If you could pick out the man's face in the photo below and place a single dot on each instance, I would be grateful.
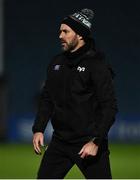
(68, 38)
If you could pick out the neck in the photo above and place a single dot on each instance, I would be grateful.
(79, 52)
(80, 44)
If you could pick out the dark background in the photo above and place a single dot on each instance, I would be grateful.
(31, 40)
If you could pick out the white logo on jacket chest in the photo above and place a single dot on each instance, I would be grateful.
(80, 69)
(57, 67)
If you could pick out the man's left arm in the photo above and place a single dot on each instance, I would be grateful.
(104, 90)
(105, 95)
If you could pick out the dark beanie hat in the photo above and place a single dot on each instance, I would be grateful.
(80, 22)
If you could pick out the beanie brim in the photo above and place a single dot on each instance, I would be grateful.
(77, 27)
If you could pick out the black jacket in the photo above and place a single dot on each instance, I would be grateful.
(78, 97)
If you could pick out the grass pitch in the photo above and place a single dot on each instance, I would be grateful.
(18, 161)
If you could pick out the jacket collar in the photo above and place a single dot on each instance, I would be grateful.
(74, 58)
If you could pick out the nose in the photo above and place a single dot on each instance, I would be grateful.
(60, 35)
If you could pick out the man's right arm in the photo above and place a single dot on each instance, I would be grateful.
(45, 110)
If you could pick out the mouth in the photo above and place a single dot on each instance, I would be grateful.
(63, 42)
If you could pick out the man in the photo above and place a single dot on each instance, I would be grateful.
(78, 97)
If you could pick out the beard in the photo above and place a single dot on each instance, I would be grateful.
(69, 46)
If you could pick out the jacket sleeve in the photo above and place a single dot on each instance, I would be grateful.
(45, 110)
(105, 95)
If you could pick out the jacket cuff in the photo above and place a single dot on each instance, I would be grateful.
(35, 130)
(96, 140)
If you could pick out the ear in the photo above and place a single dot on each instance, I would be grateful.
(80, 37)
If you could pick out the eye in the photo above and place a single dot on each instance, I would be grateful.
(65, 31)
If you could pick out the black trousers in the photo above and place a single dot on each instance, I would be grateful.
(59, 158)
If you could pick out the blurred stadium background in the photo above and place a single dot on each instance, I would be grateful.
(28, 41)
